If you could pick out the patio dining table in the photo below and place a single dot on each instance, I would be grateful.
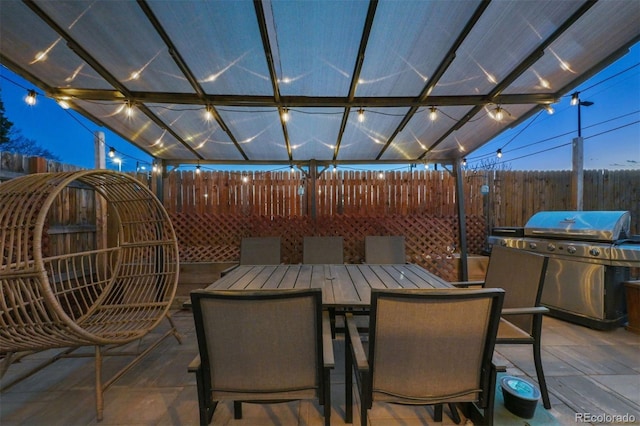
(343, 285)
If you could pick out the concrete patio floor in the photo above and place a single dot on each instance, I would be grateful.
(592, 375)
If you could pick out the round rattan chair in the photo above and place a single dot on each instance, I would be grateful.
(107, 295)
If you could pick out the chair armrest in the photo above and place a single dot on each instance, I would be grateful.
(327, 341)
(229, 269)
(499, 367)
(194, 365)
(527, 310)
(359, 355)
(466, 284)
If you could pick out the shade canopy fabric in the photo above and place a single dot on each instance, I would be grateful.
(327, 63)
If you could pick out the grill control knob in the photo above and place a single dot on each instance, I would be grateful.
(533, 246)
(594, 251)
(571, 249)
(551, 247)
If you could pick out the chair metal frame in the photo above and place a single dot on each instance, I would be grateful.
(511, 332)
(201, 366)
(362, 363)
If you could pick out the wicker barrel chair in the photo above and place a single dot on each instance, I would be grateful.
(102, 296)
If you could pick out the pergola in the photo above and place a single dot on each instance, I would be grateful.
(312, 83)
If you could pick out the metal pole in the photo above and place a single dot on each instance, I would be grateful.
(462, 228)
(579, 121)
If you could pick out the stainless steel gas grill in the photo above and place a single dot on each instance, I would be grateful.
(590, 256)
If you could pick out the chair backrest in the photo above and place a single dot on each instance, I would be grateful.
(384, 249)
(260, 251)
(260, 345)
(319, 250)
(521, 274)
(433, 345)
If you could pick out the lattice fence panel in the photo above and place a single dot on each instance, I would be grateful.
(430, 240)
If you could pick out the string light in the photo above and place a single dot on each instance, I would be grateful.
(112, 152)
(285, 114)
(335, 168)
(128, 108)
(208, 114)
(549, 109)
(464, 162)
(198, 169)
(291, 168)
(498, 114)
(361, 115)
(433, 113)
(30, 99)
(575, 98)
(154, 167)
(499, 153)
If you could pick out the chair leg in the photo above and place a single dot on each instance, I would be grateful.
(206, 407)
(437, 413)
(237, 410)
(537, 360)
(348, 379)
(327, 397)
(454, 413)
(332, 319)
(365, 399)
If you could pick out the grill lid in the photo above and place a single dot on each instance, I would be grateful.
(607, 226)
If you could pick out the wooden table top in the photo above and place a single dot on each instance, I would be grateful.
(343, 286)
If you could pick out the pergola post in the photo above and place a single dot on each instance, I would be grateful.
(462, 227)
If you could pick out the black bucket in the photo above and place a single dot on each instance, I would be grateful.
(520, 396)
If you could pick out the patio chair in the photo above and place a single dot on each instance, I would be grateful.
(426, 347)
(263, 346)
(257, 251)
(384, 249)
(521, 274)
(322, 250)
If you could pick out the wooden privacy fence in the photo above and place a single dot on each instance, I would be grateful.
(288, 194)
(512, 197)
(213, 210)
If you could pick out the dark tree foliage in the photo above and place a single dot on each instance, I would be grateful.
(5, 125)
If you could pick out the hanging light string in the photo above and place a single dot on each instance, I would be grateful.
(522, 130)
(36, 93)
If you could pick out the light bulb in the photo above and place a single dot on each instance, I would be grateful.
(198, 169)
(112, 152)
(575, 99)
(63, 104)
(549, 109)
(208, 114)
(30, 99)
(433, 113)
(361, 115)
(499, 153)
(285, 114)
(498, 115)
(128, 109)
